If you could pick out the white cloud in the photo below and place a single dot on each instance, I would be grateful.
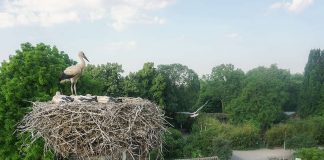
(6, 20)
(121, 46)
(293, 6)
(233, 35)
(119, 13)
(46, 12)
(134, 11)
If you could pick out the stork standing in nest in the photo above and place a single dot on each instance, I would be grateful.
(74, 72)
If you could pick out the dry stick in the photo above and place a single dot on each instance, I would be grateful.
(93, 129)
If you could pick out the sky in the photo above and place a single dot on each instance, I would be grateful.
(200, 34)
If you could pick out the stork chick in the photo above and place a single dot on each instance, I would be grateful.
(74, 72)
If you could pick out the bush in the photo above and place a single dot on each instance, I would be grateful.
(205, 122)
(173, 144)
(205, 144)
(209, 138)
(297, 134)
(317, 128)
(244, 137)
(276, 135)
(310, 154)
(300, 141)
(221, 148)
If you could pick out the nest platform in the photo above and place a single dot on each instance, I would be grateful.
(90, 129)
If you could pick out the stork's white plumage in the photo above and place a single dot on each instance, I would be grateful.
(74, 72)
(194, 114)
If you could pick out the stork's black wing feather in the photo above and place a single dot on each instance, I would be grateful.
(65, 76)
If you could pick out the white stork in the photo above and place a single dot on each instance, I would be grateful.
(74, 72)
(194, 114)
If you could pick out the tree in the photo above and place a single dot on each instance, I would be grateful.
(220, 87)
(181, 89)
(104, 79)
(130, 86)
(294, 90)
(313, 85)
(262, 99)
(146, 83)
(157, 89)
(144, 80)
(30, 75)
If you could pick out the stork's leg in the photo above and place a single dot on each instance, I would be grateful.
(72, 88)
(75, 89)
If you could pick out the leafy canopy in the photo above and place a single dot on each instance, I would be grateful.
(29, 75)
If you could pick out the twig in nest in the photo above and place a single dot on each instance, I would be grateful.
(95, 130)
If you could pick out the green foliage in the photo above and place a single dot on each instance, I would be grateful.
(157, 89)
(143, 80)
(312, 127)
(221, 148)
(294, 88)
(146, 83)
(242, 137)
(87, 85)
(154, 154)
(181, 89)
(35, 150)
(310, 154)
(220, 87)
(297, 133)
(207, 139)
(317, 128)
(301, 140)
(31, 74)
(204, 123)
(245, 137)
(313, 85)
(130, 86)
(173, 145)
(104, 79)
(276, 135)
(206, 144)
(262, 99)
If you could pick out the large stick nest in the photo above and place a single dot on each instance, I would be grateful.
(92, 129)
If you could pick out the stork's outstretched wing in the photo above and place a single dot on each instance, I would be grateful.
(201, 107)
(185, 113)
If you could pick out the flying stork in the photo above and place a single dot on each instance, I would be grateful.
(74, 72)
(194, 114)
